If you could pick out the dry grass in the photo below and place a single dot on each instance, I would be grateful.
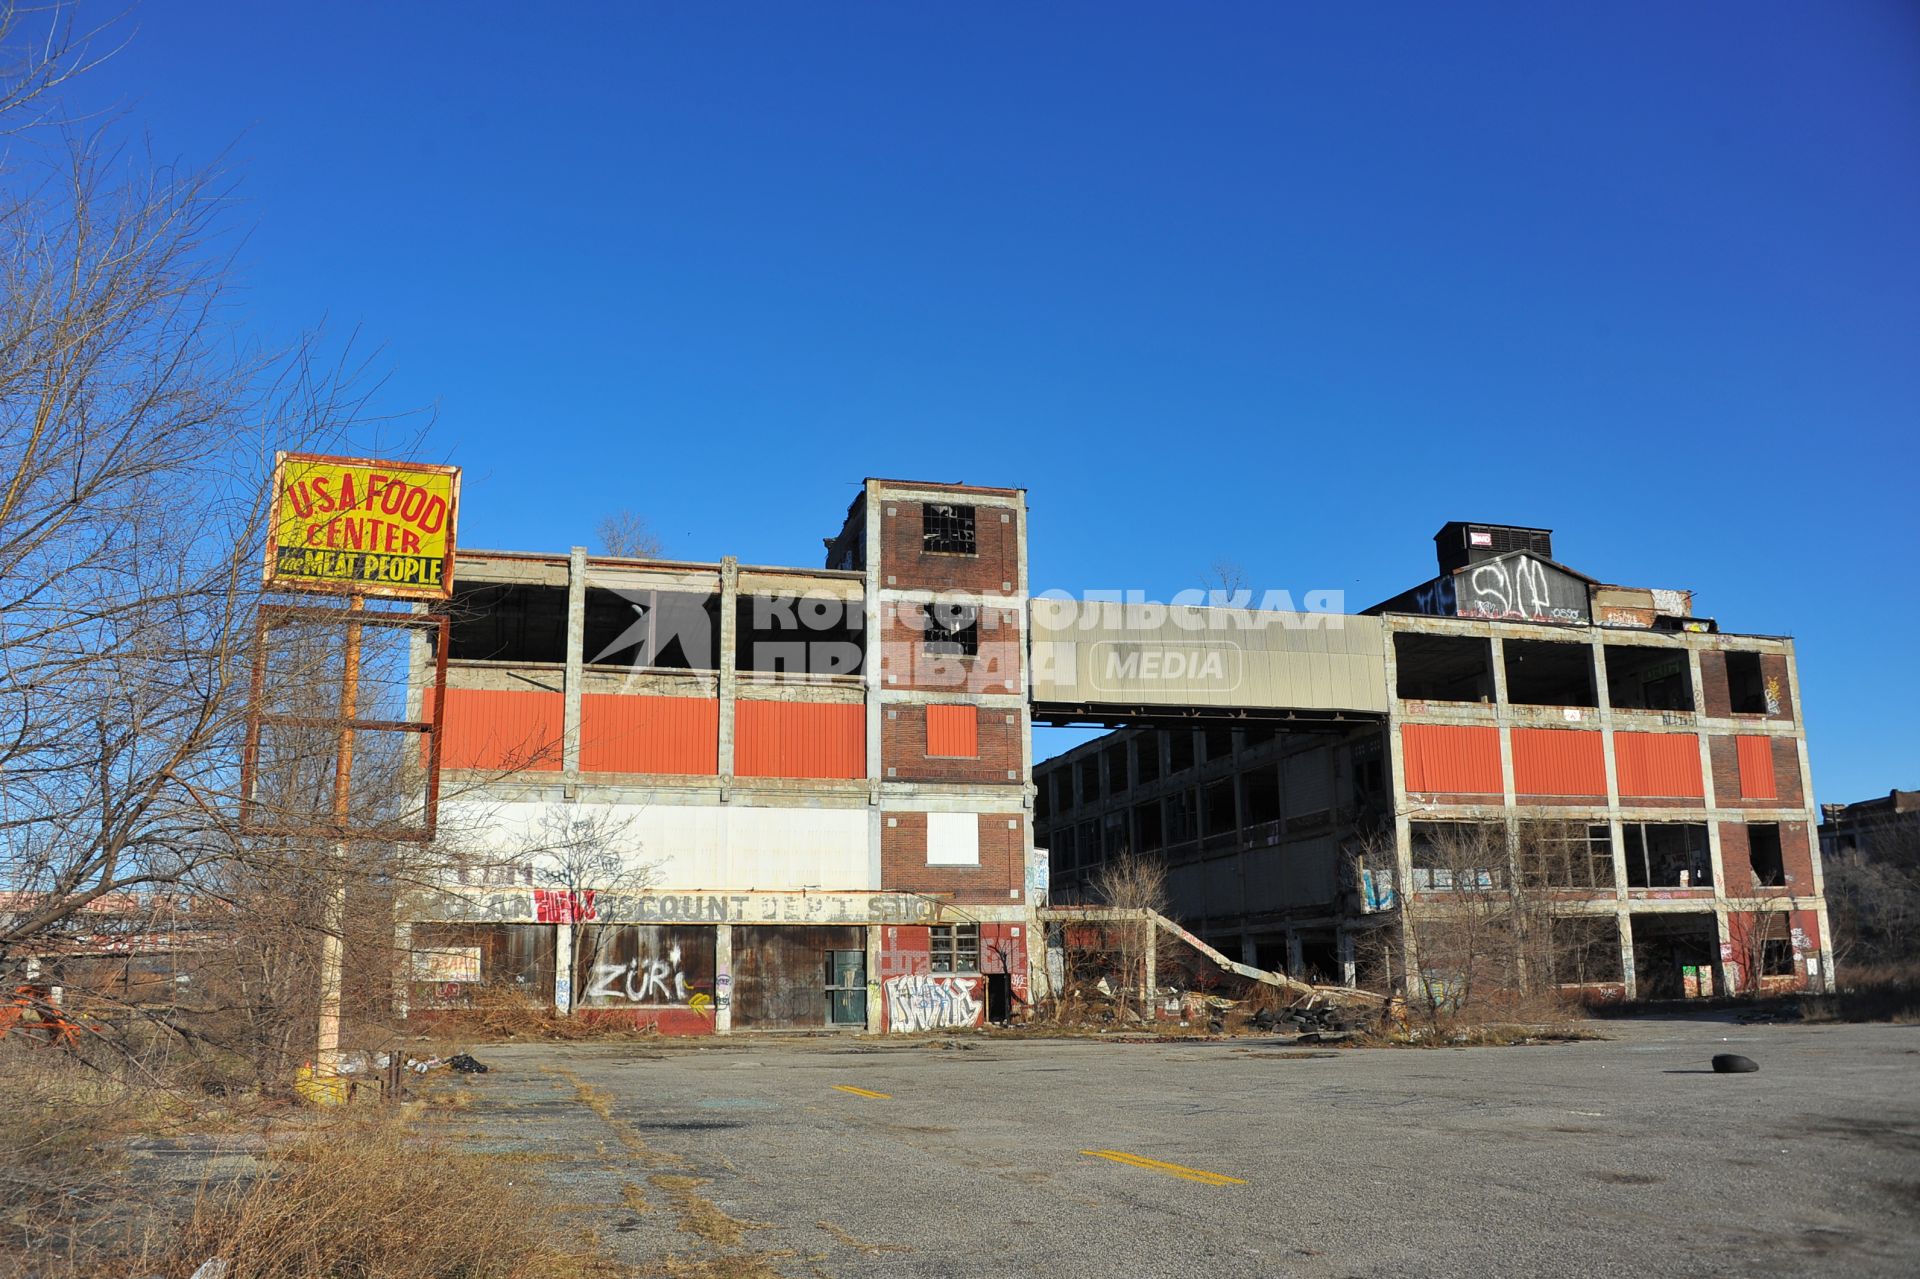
(1882, 992)
(504, 1013)
(370, 1198)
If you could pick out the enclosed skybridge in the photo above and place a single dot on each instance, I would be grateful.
(1105, 663)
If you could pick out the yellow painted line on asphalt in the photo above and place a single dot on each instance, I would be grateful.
(863, 1092)
(1171, 1170)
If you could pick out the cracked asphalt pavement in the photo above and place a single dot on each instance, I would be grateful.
(848, 1158)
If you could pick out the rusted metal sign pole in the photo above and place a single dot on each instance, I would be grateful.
(333, 939)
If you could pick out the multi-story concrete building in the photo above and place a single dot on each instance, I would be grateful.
(1886, 828)
(716, 796)
(1639, 772)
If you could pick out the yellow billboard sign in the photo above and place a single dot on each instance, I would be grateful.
(362, 527)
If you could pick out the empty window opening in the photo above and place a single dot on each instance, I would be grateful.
(1218, 743)
(1584, 949)
(1181, 818)
(1063, 850)
(1113, 835)
(1261, 791)
(1320, 961)
(1549, 673)
(955, 948)
(1443, 668)
(1256, 736)
(1087, 836)
(1668, 855)
(1087, 773)
(652, 629)
(1458, 856)
(953, 630)
(1114, 760)
(1640, 678)
(1566, 855)
(1746, 687)
(1179, 750)
(947, 529)
(1674, 955)
(1146, 757)
(1369, 775)
(806, 635)
(1772, 943)
(1152, 832)
(1043, 797)
(508, 623)
(1763, 852)
(1221, 818)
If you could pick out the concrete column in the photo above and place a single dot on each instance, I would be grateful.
(876, 1013)
(563, 967)
(723, 979)
(1625, 922)
(576, 666)
(402, 965)
(729, 673)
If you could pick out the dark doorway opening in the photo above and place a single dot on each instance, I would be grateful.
(999, 997)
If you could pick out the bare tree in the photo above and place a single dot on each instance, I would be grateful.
(1134, 881)
(627, 535)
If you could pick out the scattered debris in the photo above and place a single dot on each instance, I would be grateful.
(466, 1065)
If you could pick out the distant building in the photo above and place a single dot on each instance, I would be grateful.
(1884, 828)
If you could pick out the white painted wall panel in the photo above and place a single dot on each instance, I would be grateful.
(673, 847)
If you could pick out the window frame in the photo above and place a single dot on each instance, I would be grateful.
(957, 534)
(949, 944)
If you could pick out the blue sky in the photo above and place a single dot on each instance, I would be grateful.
(1278, 284)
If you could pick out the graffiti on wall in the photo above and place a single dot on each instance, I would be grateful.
(562, 906)
(920, 1002)
(1521, 587)
(641, 980)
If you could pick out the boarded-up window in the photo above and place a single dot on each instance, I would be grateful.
(953, 731)
(1756, 768)
(644, 966)
(1556, 761)
(799, 739)
(1449, 759)
(953, 839)
(502, 730)
(626, 733)
(1658, 764)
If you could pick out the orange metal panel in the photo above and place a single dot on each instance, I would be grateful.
(1451, 759)
(500, 729)
(799, 739)
(632, 733)
(953, 731)
(1756, 768)
(1558, 761)
(1658, 764)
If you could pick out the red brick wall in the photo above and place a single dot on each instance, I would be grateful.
(994, 567)
(1774, 677)
(1796, 858)
(998, 878)
(904, 664)
(1715, 698)
(903, 748)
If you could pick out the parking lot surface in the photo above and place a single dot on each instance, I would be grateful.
(984, 1157)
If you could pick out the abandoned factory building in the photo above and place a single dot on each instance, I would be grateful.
(1634, 771)
(727, 796)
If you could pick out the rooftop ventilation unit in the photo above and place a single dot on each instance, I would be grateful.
(1459, 544)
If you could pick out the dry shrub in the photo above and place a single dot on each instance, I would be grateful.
(372, 1199)
(507, 1012)
(1869, 992)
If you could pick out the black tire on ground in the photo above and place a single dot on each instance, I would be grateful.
(1734, 1064)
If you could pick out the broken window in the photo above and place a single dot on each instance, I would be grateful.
(1668, 855)
(1443, 668)
(1146, 757)
(1114, 835)
(1220, 808)
(1566, 855)
(1261, 788)
(947, 529)
(1146, 818)
(1042, 797)
(1642, 678)
(1763, 852)
(508, 622)
(954, 948)
(1458, 856)
(1088, 773)
(645, 628)
(1115, 761)
(799, 635)
(1585, 949)
(1549, 673)
(1179, 750)
(953, 630)
(1746, 687)
(1181, 815)
(1775, 944)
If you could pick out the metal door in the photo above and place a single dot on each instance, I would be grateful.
(846, 987)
